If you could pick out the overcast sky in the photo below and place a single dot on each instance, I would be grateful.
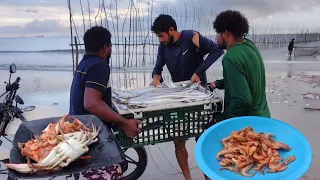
(51, 17)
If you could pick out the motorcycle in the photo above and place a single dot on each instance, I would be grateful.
(11, 116)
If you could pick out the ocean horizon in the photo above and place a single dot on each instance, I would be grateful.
(55, 53)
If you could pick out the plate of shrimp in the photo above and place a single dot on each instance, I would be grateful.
(251, 147)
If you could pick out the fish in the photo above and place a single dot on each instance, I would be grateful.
(154, 96)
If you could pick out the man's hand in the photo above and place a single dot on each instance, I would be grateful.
(213, 85)
(130, 127)
(195, 78)
(156, 80)
(195, 39)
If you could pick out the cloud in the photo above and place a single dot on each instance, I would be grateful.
(200, 14)
(56, 13)
(46, 26)
(28, 10)
(52, 16)
(251, 7)
(32, 3)
(35, 27)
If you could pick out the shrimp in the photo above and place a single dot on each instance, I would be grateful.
(252, 150)
(230, 169)
(257, 156)
(226, 162)
(230, 156)
(280, 169)
(282, 146)
(245, 150)
(259, 167)
(223, 152)
(289, 159)
(245, 170)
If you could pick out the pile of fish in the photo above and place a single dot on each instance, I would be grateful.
(164, 94)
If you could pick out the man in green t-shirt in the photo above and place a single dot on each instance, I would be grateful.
(244, 79)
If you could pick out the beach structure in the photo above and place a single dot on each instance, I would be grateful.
(134, 45)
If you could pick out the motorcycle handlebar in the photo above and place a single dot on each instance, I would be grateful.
(17, 80)
(13, 89)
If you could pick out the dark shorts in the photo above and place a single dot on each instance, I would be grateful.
(113, 172)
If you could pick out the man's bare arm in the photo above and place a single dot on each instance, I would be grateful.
(95, 105)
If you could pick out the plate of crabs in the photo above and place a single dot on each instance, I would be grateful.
(62, 146)
(251, 147)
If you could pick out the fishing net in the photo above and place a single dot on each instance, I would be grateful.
(306, 51)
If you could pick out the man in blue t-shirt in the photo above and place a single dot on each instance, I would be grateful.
(91, 92)
(183, 54)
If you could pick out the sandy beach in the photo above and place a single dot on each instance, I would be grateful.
(286, 81)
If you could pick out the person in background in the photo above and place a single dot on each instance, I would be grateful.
(182, 52)
(244, 79)
(91, 93)
(290, 47)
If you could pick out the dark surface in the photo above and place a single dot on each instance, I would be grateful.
(104, 152)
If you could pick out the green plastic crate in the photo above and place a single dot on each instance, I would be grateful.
(170, 124)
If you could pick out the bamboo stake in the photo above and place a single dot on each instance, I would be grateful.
(77, 51)
(70, 18)
(140, 48)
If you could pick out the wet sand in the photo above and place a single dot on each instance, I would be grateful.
(286, 81)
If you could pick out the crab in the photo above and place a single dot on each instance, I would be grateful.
(59, 145)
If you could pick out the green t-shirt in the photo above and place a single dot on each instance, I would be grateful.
(244, 82)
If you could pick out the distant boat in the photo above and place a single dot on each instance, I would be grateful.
(39, 36)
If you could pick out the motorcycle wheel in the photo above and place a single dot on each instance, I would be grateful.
(141, 164)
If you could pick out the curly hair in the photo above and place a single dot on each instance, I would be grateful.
(163, 23)
(231, 21)
(95, 38)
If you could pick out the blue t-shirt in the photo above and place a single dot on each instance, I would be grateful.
(92, 72)
(183, 58)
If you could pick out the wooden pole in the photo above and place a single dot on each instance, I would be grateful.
(125, 52)
(77, 52)
(70, 18)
